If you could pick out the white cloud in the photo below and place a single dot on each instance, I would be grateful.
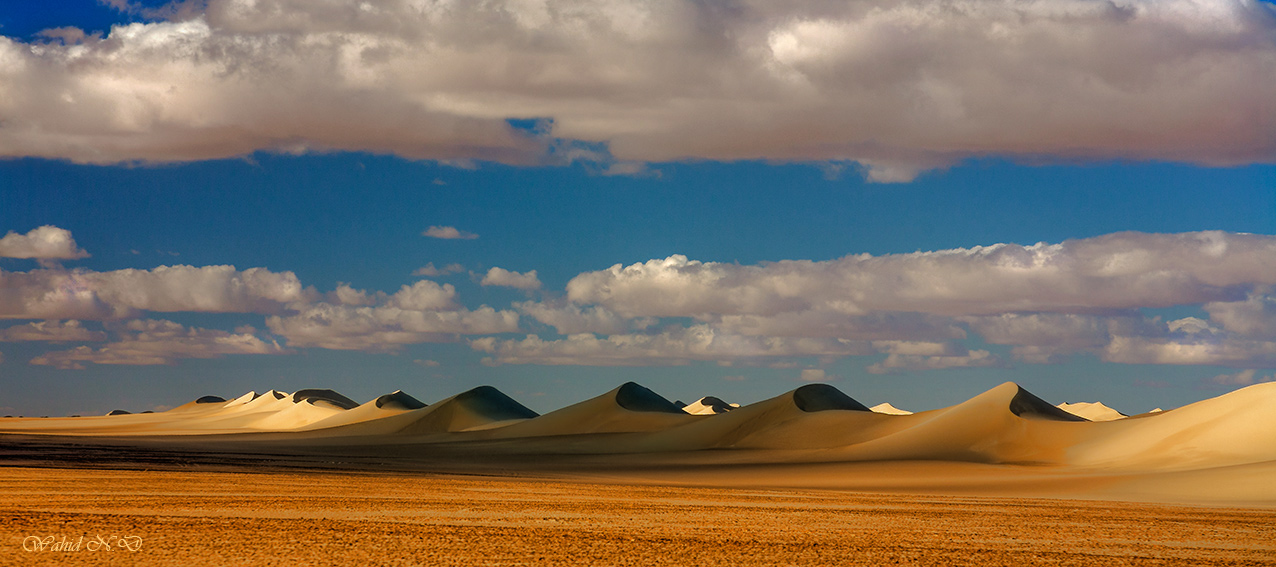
(673, 346)
(1255, 317)
(1208, 348)
(85, 294)
(571, 319)
(448, 233)
(504, 278)
(831, 323)
(44, 243)
(346, 295)
(897, 363)
(1068, 330)
(1046, 301)
(429, 270)
(1114, 272)
(152, 342)
(898, 86)
(51, 331)
(420, 313)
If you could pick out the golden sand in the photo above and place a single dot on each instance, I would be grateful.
(329, 518)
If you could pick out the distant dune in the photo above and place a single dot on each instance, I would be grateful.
(708, 405)
(887, 408)
(1093, 411)
(631, 426)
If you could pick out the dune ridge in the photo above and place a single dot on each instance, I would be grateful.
(631, 425)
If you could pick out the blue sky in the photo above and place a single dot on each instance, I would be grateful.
(316, 200)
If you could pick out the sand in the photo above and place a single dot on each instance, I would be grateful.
(1006, 441)
(190, 518)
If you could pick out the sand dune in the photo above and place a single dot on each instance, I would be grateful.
(1232, 429)
(475, 409)
(708, 405)
(631, 426)
(1093, 411)
(628, 408)
(887, 408)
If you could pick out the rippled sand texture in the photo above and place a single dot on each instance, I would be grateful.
(214, 518)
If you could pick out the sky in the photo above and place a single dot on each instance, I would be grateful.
(913, 201)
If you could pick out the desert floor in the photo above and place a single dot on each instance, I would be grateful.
(340, 518)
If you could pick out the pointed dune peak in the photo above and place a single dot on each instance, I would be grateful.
(493, 404)
(276, 394)
(210, 400)
(399, 400)
(822, 397)
(313, 395)
(634, 397)
(248, 397)
(476, 408)
(1028, 406)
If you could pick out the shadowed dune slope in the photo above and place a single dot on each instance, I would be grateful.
(477, 408)
(385, 406)
(629, 408)
(815, 416)
(398, 400)
(822, 397)
(323, 395)
(1028, 406)
(708, 405)
(1006, 424)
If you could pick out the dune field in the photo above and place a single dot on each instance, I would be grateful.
(1005, 441)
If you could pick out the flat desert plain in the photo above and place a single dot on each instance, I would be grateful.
(341, 518)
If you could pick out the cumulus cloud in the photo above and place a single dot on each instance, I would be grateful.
(51, 331)
(430, 271)
(85, 294)
(420, 313)
(504, 278)
(571, 319)
(153, 342)
(1255, 316)
(43, 243)
(1113, 272)
(827, 323)
(673, 346)
(896, 86)
(448, 233)
(1191, 341)
(899, 363)
(1044, 301)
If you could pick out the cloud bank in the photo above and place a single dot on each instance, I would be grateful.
(153, 342)
(982, 307)
(897, 86)
(1045, 301)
